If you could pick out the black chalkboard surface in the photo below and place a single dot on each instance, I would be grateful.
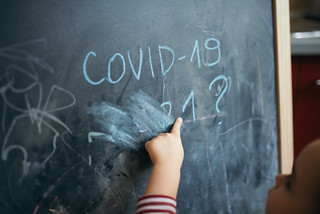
(84, 84)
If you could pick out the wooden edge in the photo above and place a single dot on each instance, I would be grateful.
(284, 84)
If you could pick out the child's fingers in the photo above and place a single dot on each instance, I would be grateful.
(152, 142)
(147, 145)
(176, 126)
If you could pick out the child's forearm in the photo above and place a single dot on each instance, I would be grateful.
(166, 153)
(164, 180)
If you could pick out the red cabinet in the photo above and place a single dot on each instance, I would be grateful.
(306, 100)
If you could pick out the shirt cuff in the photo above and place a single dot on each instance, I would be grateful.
(156, 204)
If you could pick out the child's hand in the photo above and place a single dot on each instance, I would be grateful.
(166, 153)
(166, 149)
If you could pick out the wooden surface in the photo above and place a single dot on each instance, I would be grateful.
(284, 91)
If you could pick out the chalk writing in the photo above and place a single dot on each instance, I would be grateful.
(196, 50)
(137, 75)
(111, 117)
(221, 93)
(170, 106)
(190, 97)
(150, 62)
(85, 69)
(163, 70)
(212, 46)
(182, 58)
(123, 68)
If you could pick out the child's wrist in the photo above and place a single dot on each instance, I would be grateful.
(164, 180)
(168, 167)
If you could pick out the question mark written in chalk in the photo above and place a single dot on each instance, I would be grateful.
(222, 93)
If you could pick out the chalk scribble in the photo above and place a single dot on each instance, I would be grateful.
(27, 67)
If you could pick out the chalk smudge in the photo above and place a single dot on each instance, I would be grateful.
(130, 126)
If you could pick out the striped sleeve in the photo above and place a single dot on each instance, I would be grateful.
(156, 204)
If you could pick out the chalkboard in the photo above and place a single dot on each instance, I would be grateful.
(84, 84)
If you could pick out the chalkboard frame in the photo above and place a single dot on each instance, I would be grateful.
(284, 85)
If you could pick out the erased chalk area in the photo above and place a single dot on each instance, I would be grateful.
(131, 125)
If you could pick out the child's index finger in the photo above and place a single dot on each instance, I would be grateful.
(176, 126)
